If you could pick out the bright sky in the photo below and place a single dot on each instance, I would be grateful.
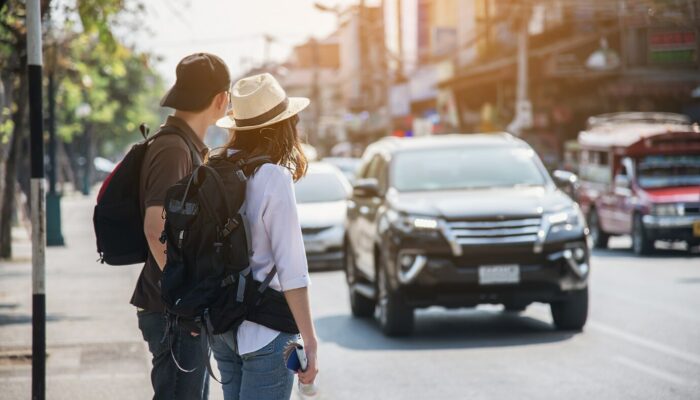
(232, 29)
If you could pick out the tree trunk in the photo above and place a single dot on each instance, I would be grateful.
(6, 103)
(8, 191)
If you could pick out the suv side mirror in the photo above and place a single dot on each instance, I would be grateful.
(565, 178)
(622, 181)
(566, 181)
(368, 187)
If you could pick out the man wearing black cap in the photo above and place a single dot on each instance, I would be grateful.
(199, 98)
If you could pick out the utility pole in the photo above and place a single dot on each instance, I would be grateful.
(34, 62)
(363, 61)
(523, 107)
(54, 237)
(266, 51)
(316, 95)
(399, 31)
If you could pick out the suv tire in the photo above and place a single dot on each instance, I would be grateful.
(361, 306)
(571, 314)
(641, 244)
(395, 316)
(600, 238)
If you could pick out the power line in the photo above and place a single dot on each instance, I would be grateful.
(285, 38)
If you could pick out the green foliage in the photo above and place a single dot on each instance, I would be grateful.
(6, 125)
(93, 70)
(111, 89)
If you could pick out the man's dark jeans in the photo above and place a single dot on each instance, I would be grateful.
(169, 383)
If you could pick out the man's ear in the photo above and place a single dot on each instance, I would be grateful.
(222, 100)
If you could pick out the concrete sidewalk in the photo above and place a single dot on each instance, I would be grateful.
(95, 350)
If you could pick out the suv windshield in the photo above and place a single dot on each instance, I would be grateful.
(319, 188)
(466, 168)
(667, 171)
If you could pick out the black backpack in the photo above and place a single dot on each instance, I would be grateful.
(207, 285)
(117, 218)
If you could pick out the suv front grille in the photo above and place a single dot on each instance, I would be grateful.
(692, 209)
(513, 230)
(314, 230)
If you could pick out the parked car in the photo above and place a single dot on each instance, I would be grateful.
(309, 151)
(348, 165)
(462, 220)
(321, 202)
(640, 175)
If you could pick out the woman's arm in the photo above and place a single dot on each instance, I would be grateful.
(298, 300)
(282, 226)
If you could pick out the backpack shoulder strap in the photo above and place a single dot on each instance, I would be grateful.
(172, 130)
(251, 164)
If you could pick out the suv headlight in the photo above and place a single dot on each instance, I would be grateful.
(413, 223)
(567, 219)
(668, 210)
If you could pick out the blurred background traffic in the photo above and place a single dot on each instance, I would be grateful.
(489, 178)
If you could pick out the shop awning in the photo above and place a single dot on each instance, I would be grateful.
(504, 68)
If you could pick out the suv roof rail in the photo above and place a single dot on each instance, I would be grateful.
(637, 117)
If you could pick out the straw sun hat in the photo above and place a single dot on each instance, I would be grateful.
(258, 101)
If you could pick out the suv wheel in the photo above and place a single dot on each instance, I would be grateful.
(395, 317)
(361, 306)
(600, 238)
(571, 314)
(641, 244)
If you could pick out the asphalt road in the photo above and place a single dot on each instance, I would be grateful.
(642, 341)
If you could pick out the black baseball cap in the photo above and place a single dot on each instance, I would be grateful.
(200, 77)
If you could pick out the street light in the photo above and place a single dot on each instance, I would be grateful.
(603, 59)
(54, 236)
(325, 8)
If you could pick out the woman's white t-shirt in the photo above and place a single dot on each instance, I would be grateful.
(276, 239)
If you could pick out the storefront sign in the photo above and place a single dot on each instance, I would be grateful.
(673, 47)
(423, 83)
(400, 100)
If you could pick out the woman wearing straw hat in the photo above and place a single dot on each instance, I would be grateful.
(263, 122)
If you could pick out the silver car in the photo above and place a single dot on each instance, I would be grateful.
(321, 203)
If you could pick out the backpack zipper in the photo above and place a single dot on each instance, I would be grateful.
(180, 239)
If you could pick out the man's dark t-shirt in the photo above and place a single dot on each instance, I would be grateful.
(168, 159)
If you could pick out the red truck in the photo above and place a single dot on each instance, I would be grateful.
(640, 176)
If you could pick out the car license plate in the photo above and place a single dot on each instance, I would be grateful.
(696, 228)
(499, 274)
(314, 246)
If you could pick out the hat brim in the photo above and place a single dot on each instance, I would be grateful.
(185, 100)
(296, 105)
(177, 99)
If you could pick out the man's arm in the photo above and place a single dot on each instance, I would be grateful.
(167, 162)
(153, 225)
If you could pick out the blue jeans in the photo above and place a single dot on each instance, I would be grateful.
(169, 383)
(260, 375)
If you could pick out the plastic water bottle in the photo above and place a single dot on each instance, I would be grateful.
(308, 391)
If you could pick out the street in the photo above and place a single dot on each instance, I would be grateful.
(642, 340)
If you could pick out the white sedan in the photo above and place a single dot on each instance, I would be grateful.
(322, 205)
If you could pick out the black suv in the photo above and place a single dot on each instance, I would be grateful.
(461, 220)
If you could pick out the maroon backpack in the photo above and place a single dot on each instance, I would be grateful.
(117, 219)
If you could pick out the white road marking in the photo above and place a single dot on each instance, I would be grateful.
(640, 341)
(539, 311)
(668, 377)
(678, 312)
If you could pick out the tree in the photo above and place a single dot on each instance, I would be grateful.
(87, 37)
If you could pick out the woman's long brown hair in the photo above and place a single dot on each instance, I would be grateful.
(279, 141)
